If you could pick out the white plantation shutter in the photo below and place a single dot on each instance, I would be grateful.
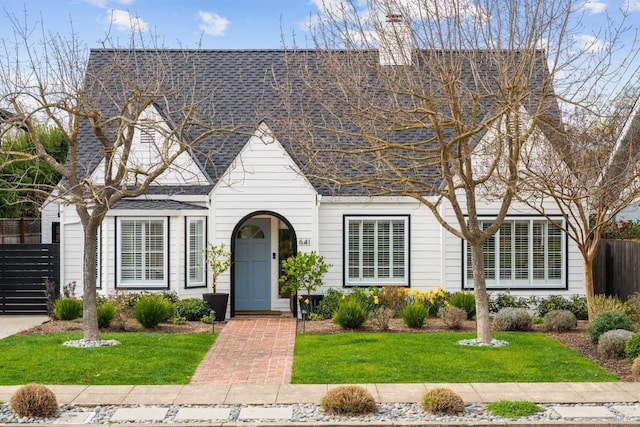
(525, 253)
(377, 251)
(195, 245)
(142, 251)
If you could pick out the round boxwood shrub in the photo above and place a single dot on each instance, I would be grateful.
(415, 314)
(608, 321)
(632, 347)
(192, 309)
(559, 321)
(611, 344)
(150, 310)
(512, 319)
(348, 400)
(465, 301)
(442, 401)
(105, 313)
(34, 400)
(351, 314)
(67, 308)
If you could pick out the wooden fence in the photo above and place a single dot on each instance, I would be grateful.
(616, 268)
(21, 230)
(24, 269)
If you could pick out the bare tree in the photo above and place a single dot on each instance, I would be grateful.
(98, 102)
(433, 100)
(592, 176)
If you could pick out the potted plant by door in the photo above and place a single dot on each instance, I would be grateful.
(219, 261)
(304, 272)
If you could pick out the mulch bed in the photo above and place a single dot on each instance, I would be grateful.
(577, 339)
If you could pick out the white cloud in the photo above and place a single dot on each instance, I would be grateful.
(632, 5)
(123, 21)
(594, 7)
(213, 24)
(588, 43)
(103, 3)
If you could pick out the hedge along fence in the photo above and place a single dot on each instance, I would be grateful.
(616, 268)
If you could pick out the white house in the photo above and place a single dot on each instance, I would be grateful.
(248, 192)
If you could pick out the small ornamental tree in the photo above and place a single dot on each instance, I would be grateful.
(218, 260)
(303, 271)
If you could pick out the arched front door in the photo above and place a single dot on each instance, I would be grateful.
(252, 265)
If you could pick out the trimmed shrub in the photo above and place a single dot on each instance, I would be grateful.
(329, 304)
(348, 400)
(608, 321)
(351, 314)
(512, 319)
(559, 321)
(415, 314)
(612, 344)
(34, 400)
(67, 308)
(632, 347)
(602, 303)
(150, 310)
(442, 401)
(465, 301)
(192, 308)
(105, 313)
(635, 368)
(452, 316)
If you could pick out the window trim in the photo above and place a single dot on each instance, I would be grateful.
(188, 284)
(406, 281)
(533, 285)
(152, 285)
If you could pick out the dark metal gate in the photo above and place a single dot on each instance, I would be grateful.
(24, 269)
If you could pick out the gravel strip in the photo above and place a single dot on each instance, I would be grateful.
(313, 414)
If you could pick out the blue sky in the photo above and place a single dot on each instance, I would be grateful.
(222, 24)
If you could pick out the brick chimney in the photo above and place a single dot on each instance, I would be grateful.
(394, 45)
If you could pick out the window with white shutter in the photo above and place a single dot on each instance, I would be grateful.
(196, 241)
(524, 253)
(142, 258)
(376, 251)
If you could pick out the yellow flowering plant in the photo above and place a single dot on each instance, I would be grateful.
(433, 300)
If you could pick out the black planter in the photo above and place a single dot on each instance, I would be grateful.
(218, 303)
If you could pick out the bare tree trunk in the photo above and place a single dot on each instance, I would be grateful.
(588, 285)
(483, 322)
(90, 318)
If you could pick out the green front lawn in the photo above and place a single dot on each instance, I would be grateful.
(142, 358)
(437, 358)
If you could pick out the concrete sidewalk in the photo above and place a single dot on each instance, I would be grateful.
(12, 324)
(311, 393)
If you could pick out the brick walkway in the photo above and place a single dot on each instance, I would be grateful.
(251, 350)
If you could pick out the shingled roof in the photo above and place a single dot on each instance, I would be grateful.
(241, 82)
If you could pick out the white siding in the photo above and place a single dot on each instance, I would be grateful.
(424, 241)
(263, 178)
(48, 215)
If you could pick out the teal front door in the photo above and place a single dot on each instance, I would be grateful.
(252, 265)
